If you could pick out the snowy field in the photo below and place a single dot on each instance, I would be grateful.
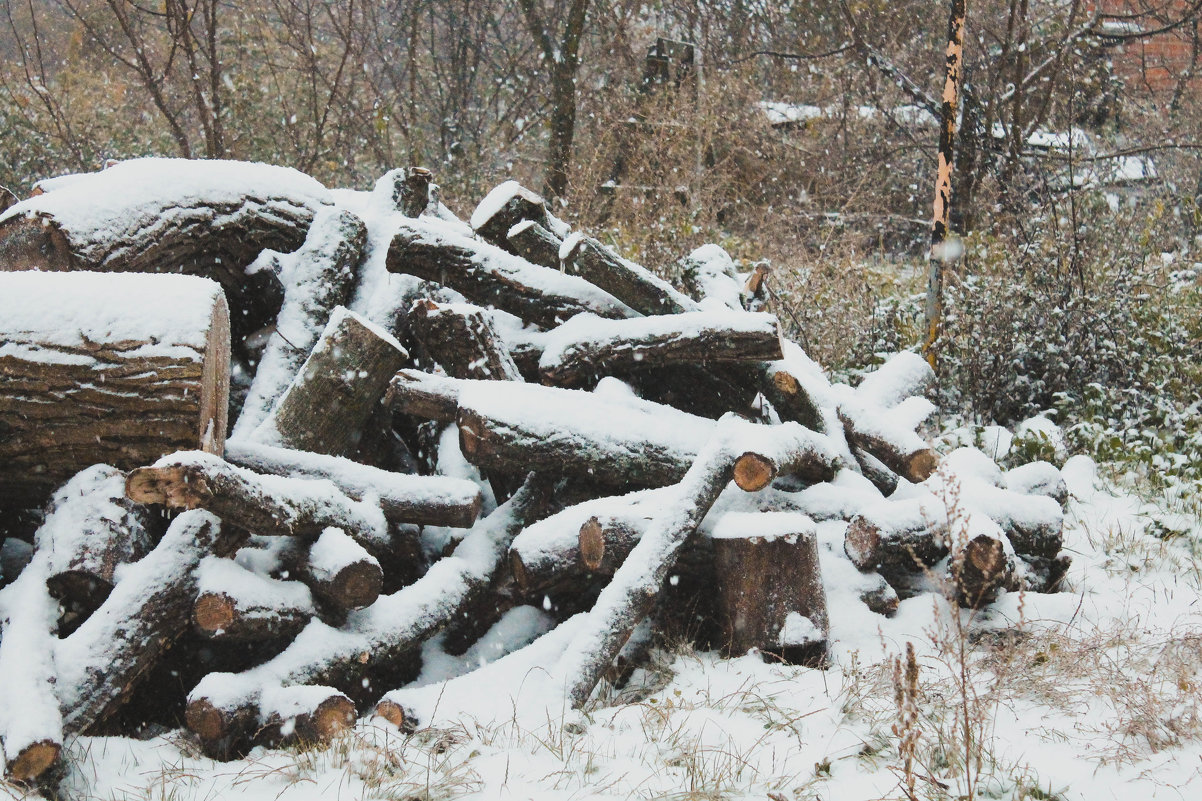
(1089, 694)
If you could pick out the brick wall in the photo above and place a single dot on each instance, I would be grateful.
(1156, 64)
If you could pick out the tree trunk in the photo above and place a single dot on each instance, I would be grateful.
(141, 370)
(328, 403)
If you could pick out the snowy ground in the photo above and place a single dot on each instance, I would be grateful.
(1088, 694)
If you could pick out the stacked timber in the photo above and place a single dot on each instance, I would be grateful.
(441, 422)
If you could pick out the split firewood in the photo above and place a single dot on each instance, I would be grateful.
(317, 278)
(895, 537)
(463, 340)
(504, 207)
(99, 665)
(327, 405)
(487, 275)
(630, 596)
(209, 218)
(31, 724)
(373, 637)
(341, 572)
(585, 347)
(769, 584)
(634, 285)
(534, 243)
(755, 287)
(269, 505)
(91, 530)
(404, 498)
(106, 369)
(239, 605)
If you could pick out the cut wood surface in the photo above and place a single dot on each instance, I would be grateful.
(328, 403)
(769, 585)
(403, 497)
(633, 284)
(106, 369)
(587, 347)
(339, 571)
(317, 278)
(980, 570)
(209, 218)
(487, 275)
(236, 604)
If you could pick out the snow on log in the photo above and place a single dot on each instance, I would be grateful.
(317, 278)
(891, 441)
(462, 339)
(534, 243)
(587, 347)
(373, 637)
(263, 504)
(1038, 478)
(100, 663)
(487, 275)
(769, 585)
(329, 401)
(789, 449)
(631, 595)
(31, 725)
(239, 605)
(209, 218)
(404, 498)
(789, 395)
(340, 572)
(504, 207)
(308, 715)
(106, 369)
(711, 278)
(633, 284)
(91, 530)
(425, 395)
(902, 376)
(902, 536)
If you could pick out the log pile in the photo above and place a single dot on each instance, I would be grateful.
(446, 421)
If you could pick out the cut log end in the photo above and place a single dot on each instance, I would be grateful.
(392, 712)
(178, 487)
(357, 585)
(753, 472)
(862, 544)
(33, 760)
(922, 465)
(592, 543)
(332, 717)
(207, 721)
(213, 613)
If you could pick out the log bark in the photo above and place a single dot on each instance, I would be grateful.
(980, 571)
(317, 278)
(404, 498)
(534, 243)
(462, 339)
(789, 397)
(31, 724)
(901, 451)
(268, 505)
(769, 586)
(873, 469)
(91, 530)
(414, 192)
(208, 218)
(328, 403)
(424, 395)
(488, 275)
(141, 370)
(237, 605)
(99, 665)
(506, 206)
(630, 596)
(584, 348)
(634, 285)
(373, 639)
(340, 572)
(897, 537)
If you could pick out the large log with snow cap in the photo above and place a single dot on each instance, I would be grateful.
(238, 605)
(534, 243)
(504, 207)
(488, 275)
(462, 339)
(208, 218)
(633, 284)
(587, 347)
(115, 369)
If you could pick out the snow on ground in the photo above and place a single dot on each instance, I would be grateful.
(1087, 694)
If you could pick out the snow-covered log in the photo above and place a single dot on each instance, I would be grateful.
(106, 369)
(875, 430)
(101, 662)
(239, 605)
(317, 278)
(462, 339)
(504, 207)
(769, 585)
(91, 530)
(328, 402)
(487, 275)
(307, 715)
(209, 218)
(711, 278)
(1038, 478)
(534, 243)
(404, 498)
(374, 637)
(904, 375)
(340, 572)
(902, 536)
(789, 396)
(425, 395)
(633, 284)
(31, 725)
(586, 347)
(268, 505)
